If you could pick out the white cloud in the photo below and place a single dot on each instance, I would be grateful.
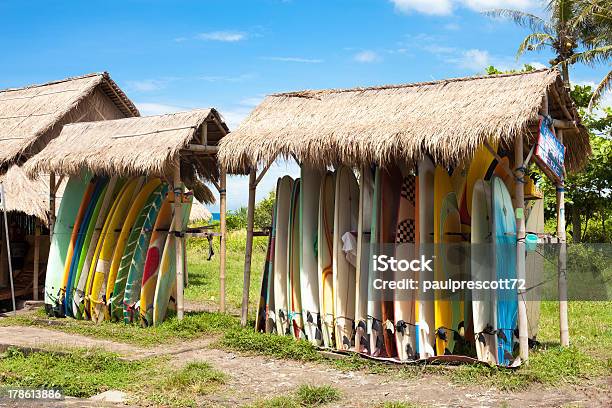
(146, 85)
(150, 108)
(226, 78)
(366, 57)
(537, 65)
(473, 60)
(295, 59)
(433, 7)
(224, 36)
(446, 7)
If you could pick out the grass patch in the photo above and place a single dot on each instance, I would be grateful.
(304, 396)
(312, 395)
(193, 326)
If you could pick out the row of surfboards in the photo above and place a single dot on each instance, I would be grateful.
(112, 254)
(314, 288)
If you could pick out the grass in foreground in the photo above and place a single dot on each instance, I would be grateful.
(84, 374)
(305, 396)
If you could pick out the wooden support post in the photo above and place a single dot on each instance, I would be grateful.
(178, 241)
(52, 191)
(36, 260)
(249, 248)
(223, 238)
(519, 205)
(8, 247)
(562, 265)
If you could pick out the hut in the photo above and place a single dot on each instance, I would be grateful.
(199, 213)
(30, 117)
(179, 147)
(446, 120)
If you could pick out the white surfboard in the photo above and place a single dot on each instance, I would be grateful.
(482, 269)
(283, 202)
(345, 221)
(374, 324)
(325, 258)
(366, 192)
(426, 336)
(309, 271)
(534, 266)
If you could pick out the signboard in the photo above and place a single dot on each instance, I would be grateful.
(550, 152)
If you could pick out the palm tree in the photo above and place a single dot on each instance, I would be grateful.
(577, 31)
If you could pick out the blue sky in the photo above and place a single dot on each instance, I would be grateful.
(172, 56)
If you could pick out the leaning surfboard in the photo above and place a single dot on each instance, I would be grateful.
(281, 251)
(345, 222)
(294, 290)
(325, 259)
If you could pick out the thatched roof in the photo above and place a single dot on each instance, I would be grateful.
(32, 116)
(25, 195)
(135, 146)
(199, 213)
(447, 119)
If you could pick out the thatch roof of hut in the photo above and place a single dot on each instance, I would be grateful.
(32, 116)
(446, 119)
(29, 196)
(199, 213)
(135, 146)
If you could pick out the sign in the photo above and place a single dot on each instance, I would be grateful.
(550, 152)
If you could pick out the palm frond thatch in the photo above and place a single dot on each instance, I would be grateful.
(30, 117)
(446, 119)
(133, 146)
(199, 213)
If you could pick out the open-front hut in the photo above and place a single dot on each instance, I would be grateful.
(180, 148)
(30, 117)
(446, 120)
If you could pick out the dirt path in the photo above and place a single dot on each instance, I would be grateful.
(255, 377)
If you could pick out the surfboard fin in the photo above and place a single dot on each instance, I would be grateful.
(401, 327)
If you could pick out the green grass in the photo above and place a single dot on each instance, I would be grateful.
(305, 396)
(194, 325)
(82, 374)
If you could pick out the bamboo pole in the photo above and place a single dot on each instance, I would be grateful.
(8, 247)
(249, 248)
(36, 260)
(519, 205)
(562, 265)
(178, 241)
(223, 238)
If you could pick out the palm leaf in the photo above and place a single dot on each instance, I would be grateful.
(604, 85)
(523, 19)
(534, 42)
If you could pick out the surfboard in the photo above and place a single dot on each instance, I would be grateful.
(165, 289)
(265, 321)
(153, 259)
(309, 271)
(374, 324)
(425, 311)
(141, 233)
(89, 247)
(97, 296)
(504, 234)
(364, 226)
(480, 164)
(281, 252)
(294, 290)
(446, 220)
(58, 251)
(325, 259)
(99, 186)
(534, 267)
(404, 303)
(81, 213)
(345, 221)
(120, 258)
(482, 269)
(391, 183)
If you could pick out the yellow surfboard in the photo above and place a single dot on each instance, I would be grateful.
(103, 264)
(478, 169)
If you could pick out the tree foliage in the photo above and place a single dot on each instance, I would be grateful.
(237, 219)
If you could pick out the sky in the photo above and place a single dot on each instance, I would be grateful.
(173, 56)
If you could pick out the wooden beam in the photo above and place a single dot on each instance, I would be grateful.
(223, 239)
(197, 148)
(265, 170)
(36, 259)
(519, 205)
(562, 265)
(249, 249)
(8, 247)
(557, 98)
(178, 241)
(499, 159)
(52, 192)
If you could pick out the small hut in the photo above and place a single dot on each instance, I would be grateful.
(180, 148)
(447, 120)
(30, 117)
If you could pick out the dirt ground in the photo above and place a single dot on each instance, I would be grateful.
(255, 377)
